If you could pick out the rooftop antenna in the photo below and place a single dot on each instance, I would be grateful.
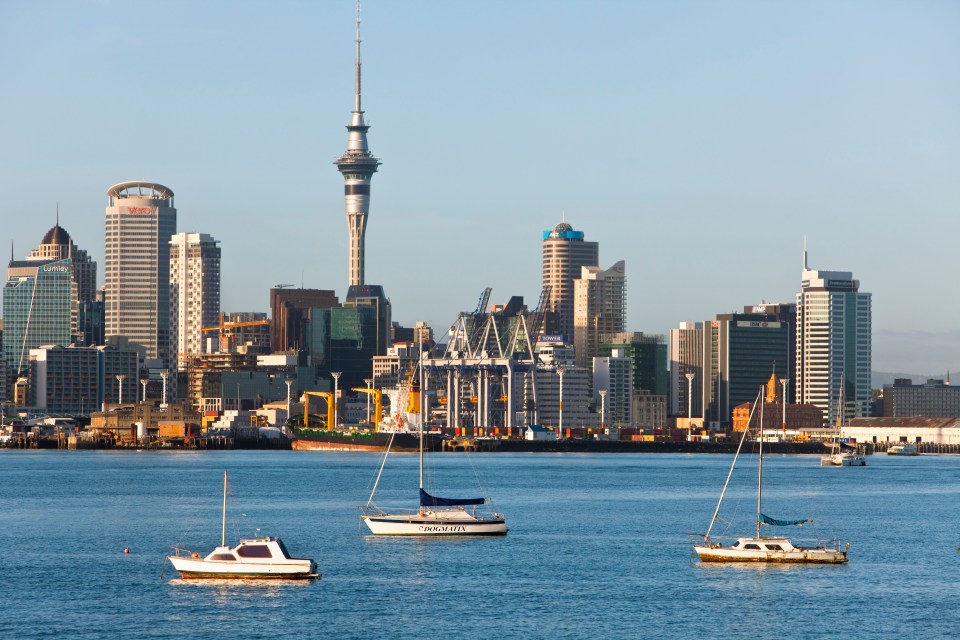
(58, 213)
(357, 105)
(805, 253)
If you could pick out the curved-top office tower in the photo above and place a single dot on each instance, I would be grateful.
(141, 219)
(565, 253)
(357, 165)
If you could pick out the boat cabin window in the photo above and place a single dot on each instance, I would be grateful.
(774, 547)
(254, 551)
(224, 556)
(752, 546)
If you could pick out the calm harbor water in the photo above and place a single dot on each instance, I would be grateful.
(597, 547)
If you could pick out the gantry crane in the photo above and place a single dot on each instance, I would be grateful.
(377, 404)
(331, 407)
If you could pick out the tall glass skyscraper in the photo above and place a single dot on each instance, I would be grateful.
(140, 221)
(833, 344)
(39, 308)
(43, 296)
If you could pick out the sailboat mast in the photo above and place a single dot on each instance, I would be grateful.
(223, 527)
(760, 465)
(420, 363)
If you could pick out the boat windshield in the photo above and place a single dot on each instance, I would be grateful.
(283, 549)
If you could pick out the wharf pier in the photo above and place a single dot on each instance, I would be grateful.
(584, 445)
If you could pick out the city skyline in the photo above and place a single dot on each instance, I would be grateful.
(701, 143)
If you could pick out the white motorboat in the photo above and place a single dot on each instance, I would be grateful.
(905, 449)
(846, 459)
(255, 558)
(435, 516)
(760, 548)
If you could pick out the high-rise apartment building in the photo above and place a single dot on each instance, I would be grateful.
(833, 344)
(686, 357)
(194, 291)
(599, 308)
(614, 375)
(357, 165)
(140, 221)
(41, 298)
(565, 253)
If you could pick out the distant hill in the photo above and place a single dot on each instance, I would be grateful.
(880, 378)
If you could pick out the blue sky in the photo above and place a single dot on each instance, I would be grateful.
(698, 141)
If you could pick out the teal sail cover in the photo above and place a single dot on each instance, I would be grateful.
(765, 519)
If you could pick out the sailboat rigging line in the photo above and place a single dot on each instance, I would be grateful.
(26, 329)
(746, 429)
(759, 465)
(380, 472)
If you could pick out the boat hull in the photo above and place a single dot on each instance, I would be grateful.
(793, 557)
(192, 569)
(769, 550)
(402, 441)
(455, 523)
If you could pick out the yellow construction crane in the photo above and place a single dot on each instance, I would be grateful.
(225, 327)
(233, 325)
(326, 395)
(377, 404)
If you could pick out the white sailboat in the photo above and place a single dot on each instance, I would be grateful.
(435, 516)
(760, 548)
(253, 558)
(846, 455)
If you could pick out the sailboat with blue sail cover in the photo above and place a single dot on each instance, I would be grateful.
(761, 548)
(435, 516)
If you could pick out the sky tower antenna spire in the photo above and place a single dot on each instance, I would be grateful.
(357, 104)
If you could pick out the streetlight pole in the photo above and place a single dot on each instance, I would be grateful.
(784, 382)
(603, 410)
(689, 405)
(560, 372)
(289, 382)
(336, 409)
(143, 383)
(369, 383)
(163, 398)
(120, 378)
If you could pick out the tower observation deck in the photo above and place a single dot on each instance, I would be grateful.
(357, 165)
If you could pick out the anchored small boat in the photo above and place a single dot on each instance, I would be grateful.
(435, 516)
(264, 558)
(846, 454)
(760, 548)
(905, 449)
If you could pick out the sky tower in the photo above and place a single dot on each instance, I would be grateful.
(357, 165)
